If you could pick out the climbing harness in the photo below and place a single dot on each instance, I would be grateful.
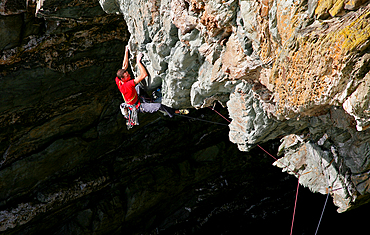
(130, 112)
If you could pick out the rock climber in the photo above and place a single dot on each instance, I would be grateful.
(136, 99)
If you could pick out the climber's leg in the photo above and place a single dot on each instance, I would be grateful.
(154, 107)
(142, 93)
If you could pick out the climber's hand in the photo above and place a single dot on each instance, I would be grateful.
(143, 73)
(139, 57)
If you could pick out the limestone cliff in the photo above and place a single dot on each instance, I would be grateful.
(296, 70)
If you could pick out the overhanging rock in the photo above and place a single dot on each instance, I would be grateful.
(285, 69)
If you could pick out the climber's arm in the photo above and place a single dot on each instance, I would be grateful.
(143, 72)
(125, 59)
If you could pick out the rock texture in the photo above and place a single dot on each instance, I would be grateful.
(58, 103)
(55, 75)
(294, 69)
(69, 166)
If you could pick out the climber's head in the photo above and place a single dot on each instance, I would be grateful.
(123, 75)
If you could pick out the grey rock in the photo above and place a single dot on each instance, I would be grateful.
(62, 139)
(220, 44)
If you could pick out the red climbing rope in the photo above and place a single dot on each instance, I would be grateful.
(257, 144)
(296, 196)
(269, 153)
(220, 114)
(277, 160)
(295, 207)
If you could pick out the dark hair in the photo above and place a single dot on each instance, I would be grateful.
(120, 73)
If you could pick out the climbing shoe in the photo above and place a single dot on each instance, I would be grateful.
(184, 111)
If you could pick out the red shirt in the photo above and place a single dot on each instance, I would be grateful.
(128, 91)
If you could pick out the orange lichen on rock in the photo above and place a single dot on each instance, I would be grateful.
(284, 22)
(301, 82)
(354, 35)
(236, 64)
(265, 7)
(308, 73)
(196, 6)
(210, 22)
(181, 18)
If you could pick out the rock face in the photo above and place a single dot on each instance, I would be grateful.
(58, 102)
(55, 74)
(297, 70)
(69, 166)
